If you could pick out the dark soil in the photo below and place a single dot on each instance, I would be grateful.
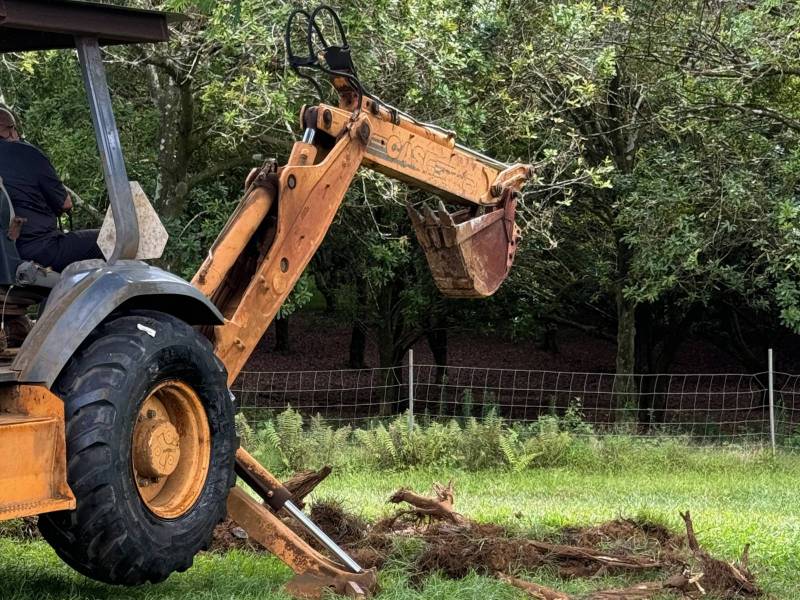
(322, 343)
(515, 378)
(622, 546)
(229, 536)
(627, 536)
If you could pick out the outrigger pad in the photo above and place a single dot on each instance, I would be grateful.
(469, 255)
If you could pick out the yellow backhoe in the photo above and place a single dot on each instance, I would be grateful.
(116, 417)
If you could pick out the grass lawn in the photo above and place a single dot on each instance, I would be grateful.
(734, 499)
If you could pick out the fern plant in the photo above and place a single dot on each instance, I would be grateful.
(480, 442)
(518, 456)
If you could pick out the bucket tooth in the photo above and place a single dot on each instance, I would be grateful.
(418, 222)
(433, 228)
(469, 255)
(414, 215)
(444, 215)
(431, 220)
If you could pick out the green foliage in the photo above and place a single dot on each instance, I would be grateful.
(481, 443)
(244, 431)
(664, 137)
(399, 444)
(285, 444)
(289, 443)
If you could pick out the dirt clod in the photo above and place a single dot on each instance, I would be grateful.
(228, 536)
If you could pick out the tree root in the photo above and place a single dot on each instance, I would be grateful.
(728, 579)
(303, 483)
(598, 561)
(534, 590)
(438, 508)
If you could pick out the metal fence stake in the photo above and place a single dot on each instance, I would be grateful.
(411, 390)
(770, 380)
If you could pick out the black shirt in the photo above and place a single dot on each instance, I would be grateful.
(35, 190)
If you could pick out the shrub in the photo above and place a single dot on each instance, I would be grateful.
(288, 442)
(285, 444)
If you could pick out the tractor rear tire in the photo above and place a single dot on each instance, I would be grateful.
(117, 534)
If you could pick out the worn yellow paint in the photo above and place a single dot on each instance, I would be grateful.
(33, 464)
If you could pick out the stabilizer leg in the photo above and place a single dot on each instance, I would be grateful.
(316, 573)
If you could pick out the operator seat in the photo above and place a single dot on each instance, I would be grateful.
(22, 283)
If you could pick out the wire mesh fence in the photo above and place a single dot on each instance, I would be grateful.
(704, 408)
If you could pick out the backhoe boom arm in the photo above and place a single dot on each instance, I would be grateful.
(285, 213)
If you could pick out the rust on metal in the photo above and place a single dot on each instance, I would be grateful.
(316, 574)
(33, 473)
(252, 293)
(469, 256)
(424, 158)
(278, 226)
(246, 461)
(171, 449)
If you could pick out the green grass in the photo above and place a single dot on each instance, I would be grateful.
(734, 498)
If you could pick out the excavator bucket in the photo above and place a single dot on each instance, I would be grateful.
(469, 255)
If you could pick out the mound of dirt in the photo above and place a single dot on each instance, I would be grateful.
(229, 536)
(456, 551)
(344, 528)
(454, 546)
(626, 536)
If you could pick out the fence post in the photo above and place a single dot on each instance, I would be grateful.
(411, 390)
(770, 383)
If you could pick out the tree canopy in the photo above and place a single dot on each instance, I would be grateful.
(664, 136)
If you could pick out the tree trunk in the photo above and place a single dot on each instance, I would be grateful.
(625, 383)
(661, 328)
(643, 366)
(358, 346)
(437, 342)
(282, 344)
(176, 107)
(391, 358)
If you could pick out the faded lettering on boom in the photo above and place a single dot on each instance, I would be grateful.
(410, 156)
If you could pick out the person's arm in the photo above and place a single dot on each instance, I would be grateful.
(54, 192)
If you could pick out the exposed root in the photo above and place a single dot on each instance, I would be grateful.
(455, 550)
(303, 483)
(455, 546)
(439, 508)
(630, 536)
(640, 591)
(343, 528)
(534, 590)
(582, 561)
(723, 578)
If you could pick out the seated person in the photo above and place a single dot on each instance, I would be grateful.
(40, 198)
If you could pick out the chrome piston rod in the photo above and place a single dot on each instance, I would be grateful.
(322, 537)
(277, 497)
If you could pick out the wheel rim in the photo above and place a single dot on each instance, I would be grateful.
(171, 449)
